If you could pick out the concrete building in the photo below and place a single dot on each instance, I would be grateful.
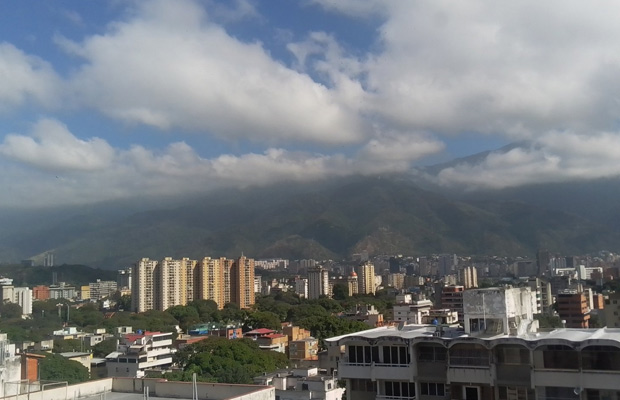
(138, 353)
(366, 278)
(573, 308)
(302, 384)
(352, 283)
(446, 264)
(396, 280)
(508, 359)
(318, 282)
(62, 291)
(102, 289)
(23, 297)
(301, 287)
(612, 310)
(138, 389)
(412, 312)
(452, 298)
(162, 284)
(544, 298)
(123, 278)
(143, 290)
(41, 292)
(468, 277)
(495, 311)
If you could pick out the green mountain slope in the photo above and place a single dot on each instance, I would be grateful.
(375, 215)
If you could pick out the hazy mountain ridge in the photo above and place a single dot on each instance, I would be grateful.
(379, 215)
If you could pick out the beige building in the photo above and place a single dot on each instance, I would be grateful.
(366, 278)
(352, 283)
(143, 282)
(170, 282)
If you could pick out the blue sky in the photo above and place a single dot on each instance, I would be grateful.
(120, 99)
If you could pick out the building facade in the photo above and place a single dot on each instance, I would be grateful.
(170, 282)
(318, 282)
(366, 278)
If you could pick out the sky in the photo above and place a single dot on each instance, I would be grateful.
(122, 99)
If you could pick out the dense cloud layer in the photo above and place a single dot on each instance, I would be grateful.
(543, 72)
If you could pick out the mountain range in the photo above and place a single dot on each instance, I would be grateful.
(396, 214)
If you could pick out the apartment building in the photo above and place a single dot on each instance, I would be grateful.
(452, 298)
(366, 278)
(573, 307)
(435, 362)
(162, 284)
(318, 282)
(101, 289)
(138, 353)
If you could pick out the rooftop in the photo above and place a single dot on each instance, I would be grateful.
(413, 331)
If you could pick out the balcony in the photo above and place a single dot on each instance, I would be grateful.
(385, 397)
(400, 372)
(348, 370)
(470, 375)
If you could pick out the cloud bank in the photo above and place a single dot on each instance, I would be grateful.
(548, 73)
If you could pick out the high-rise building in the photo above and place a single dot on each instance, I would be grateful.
(170, 282)
(123, 278)
(143, 285)
(366, 278)
(468, 277)
(243, 282)
(573, 308)
(301, 287)
(318, 282)
(101, 289)
(210, 283)
(23, 297)
(543, 258)
(446, 264)
(352, 283)
(452, 298)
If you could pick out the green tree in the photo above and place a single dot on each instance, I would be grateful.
(104, 348)
(186, 315)
(227, 361)
(55, 367)
(10, 310)
(340, 291)
(263, 319)
(207, 310)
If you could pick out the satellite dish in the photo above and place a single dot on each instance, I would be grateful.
(576, 391)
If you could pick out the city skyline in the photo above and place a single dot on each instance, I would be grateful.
(106, 101)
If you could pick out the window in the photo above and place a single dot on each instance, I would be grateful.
(602, 358)
(432, 353)
(395, 355)
(469, 355)
(516, 393)
(399, 389)
(359, 354)
(363, 385)
(560, 357)
(513, 355)
(432, 389)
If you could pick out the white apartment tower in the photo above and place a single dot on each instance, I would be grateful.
(318, 282)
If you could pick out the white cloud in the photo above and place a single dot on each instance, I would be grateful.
(56, 167)
(554, 157)
(25, 78)
(52, 147)
(170, 67)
